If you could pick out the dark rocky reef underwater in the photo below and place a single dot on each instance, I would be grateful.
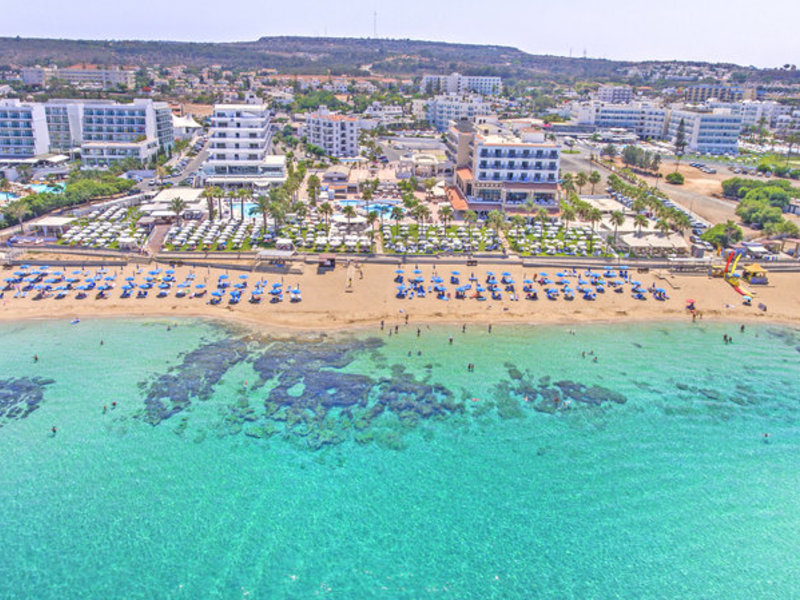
(305, 394)
(20, 396)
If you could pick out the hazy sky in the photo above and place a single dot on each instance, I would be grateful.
(739, 31)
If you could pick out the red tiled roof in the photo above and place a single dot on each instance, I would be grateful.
(465, 173)
(456, 198)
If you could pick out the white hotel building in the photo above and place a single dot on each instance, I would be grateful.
(104, 131)
(506, 171)
(452, 107)
(642, 118)
(707, 132)
(336, 134)
(23, 129)
(456, 83)
(240, 135)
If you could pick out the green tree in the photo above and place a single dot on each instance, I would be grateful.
(313, 186)
(244, 194)
(594, 179)
(680, 142)
(17, 210)
(262, 208)
(580, 181)
(177, 205)
(445, 214)
(640, 221)
(617, 218)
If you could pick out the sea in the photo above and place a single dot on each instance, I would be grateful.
(164, 458)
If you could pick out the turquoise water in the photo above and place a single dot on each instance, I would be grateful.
(384, 208)
(43, 187)
(348, 469)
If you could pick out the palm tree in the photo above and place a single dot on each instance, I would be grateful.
(18, 210)
(243, 194)
(277, 210)
(471, 217)
(580, 181)
(429, 184)
(177, 205)
(542, 216)
(567, 183)
(617, 218)
(496, 219)
(349, 212)
(445, 214)
(397, 214)
(161, 172)
(594, 179)
(208, 193)
(313, 185)
(262, 208)
(568, 215)
(218, 193)
(640, 221)
(372, 218)
(663, 226)
(326, 210)
(530, 206)
(366, 194)
(595, 216)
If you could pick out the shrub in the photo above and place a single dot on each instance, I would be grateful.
(674, 178)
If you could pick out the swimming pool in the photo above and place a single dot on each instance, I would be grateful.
(37, 188)
(382, 208)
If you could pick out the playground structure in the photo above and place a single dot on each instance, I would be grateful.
(754, 274)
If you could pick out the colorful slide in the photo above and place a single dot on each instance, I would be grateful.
(736, 283)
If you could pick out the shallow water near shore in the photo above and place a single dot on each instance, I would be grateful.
(361, 465)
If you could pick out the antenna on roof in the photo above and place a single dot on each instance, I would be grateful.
(584, 53)
(375, 24)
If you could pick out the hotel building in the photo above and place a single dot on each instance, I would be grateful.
(240, 136)
(456, 83)
(336, 134)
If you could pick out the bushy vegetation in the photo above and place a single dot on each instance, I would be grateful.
(633, 156)
(723, 234)
(738, 187)
(81, 187)
(674, 178)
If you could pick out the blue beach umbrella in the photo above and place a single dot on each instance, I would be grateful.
(129, 278)
(146, 286)
(399, 271)
(216, 293)
(200, 286)
(170, 271)
(223, 276)
(242, 276)
(277, 285)
(104, 287)
(164, 286)
(455, 272)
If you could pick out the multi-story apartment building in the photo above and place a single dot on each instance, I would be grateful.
(23, 129)
(455, 83)
(384, 114)
(239, 136)
(104, 130)
(114, 132)
(615, 94)
(644, 119)
(788, 124)
(754, 113)
(336, 134)
(452, 107)
(696, 94)
(504, 170)
(64, 124)
(80, 75)
(707, 132)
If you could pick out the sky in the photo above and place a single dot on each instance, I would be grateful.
(735, 31)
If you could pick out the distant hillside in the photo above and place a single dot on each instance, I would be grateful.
(315, 56)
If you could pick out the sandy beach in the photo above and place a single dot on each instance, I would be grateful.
(327, 303)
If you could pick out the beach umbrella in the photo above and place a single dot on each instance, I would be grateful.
(62, 287)
(104, 287)
(127, 286)
(24, 266)
(437, 279)
(480, 288)
(455, 272)
(154, 272)
(568, 289)
(77, 272)
(11, 279)
(170, 271)
(277, 285)
(149, 278)
(256, 292)
(690, 301)
(399, 271)
(543, 274)
(506, 274)
(183, 285)
(146, 286)
(109, 278)
(72, 280)
(401, 288)
(239, 286)
(41, 286)
(216, 293)
(526, 280)
(129, 278)
(200, 286)
(242, 276)
(223, 276)
(661, 290)
(164, 286)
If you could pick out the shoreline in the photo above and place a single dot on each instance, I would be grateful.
(348, 299)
